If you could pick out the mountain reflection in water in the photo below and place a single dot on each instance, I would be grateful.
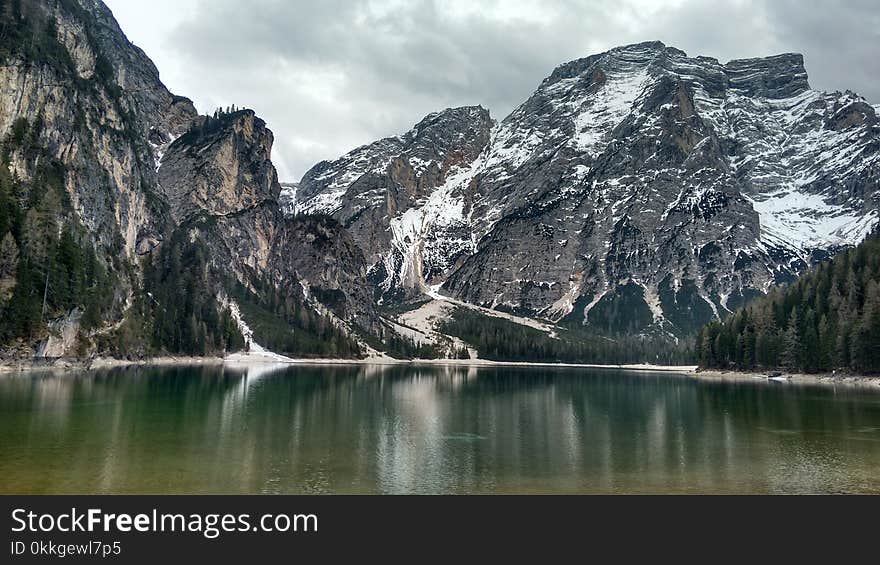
(404, 429)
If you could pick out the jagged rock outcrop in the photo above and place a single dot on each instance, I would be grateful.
(638, 188)
(219, 167)
(222, 188)
(324, 256)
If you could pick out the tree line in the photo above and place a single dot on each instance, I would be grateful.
(498, 339)
(829, 319)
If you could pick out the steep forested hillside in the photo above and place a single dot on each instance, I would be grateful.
(828, 320)
(80, 110)
(128, 221)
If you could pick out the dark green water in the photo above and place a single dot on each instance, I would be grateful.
(430, 430)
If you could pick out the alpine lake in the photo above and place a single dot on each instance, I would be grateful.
(407, 429)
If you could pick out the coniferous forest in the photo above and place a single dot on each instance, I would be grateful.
(286, 325)
(502, 340)
(827, 320)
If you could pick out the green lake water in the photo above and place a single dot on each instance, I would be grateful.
(427, 430)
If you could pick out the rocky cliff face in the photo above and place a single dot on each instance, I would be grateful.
(221, 166)
(221, 185)
(82, 117)
(322, 255)
(105, 162)
(638, 188)
(393, 197)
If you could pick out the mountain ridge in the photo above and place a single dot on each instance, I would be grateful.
(588, 134)
(637, 192)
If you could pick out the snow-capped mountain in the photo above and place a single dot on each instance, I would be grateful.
(635, 188)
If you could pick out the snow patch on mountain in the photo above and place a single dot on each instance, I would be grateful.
(601, 113)
(287, 198)
(806, 221)
(246, 332)
(796, 163)
(443, 211)
(159, 150)
(338, 176)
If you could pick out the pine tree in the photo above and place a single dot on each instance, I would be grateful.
(8, 257)
(866, 338)
(826, 345)
(792, 346)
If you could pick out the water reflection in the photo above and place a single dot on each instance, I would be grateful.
(393, 429)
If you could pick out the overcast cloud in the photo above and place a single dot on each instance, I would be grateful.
(330, 75)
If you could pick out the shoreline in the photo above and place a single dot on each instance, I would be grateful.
(258, 359)
(251, 360)
(244, 360)
(828, 379)
(73, 364)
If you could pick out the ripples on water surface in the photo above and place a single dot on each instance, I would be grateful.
(400, 429)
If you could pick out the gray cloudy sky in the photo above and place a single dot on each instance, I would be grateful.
(329, 75)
